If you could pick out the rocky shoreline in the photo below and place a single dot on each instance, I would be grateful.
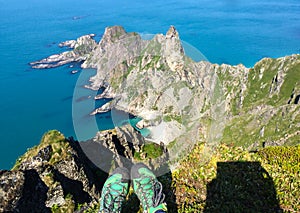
(81, 50)
(105, 108)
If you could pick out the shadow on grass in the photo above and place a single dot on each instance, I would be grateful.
(241, 187)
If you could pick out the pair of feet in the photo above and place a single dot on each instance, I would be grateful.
(144, 183)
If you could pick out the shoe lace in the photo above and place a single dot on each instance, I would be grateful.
(111, 201)
(158, 196)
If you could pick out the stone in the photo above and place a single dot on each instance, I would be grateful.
(82, 47)
(105, 108)
(141, 124)
(39, 182)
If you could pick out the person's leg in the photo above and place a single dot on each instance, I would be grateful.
(148, 189)
(114, 191)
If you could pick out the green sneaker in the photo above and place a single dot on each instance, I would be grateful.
(148, 189)
(114, 191)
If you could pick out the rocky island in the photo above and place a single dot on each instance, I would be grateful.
(81, 49)
(203, 117)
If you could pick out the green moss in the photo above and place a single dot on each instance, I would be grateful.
(52, 136)
(93, 209)
(151, 150)
(172, 117)
(171, 144)
(167, 118)
(55, 208)
(68, 207)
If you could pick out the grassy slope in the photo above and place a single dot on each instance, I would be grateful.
(262, 109)
(235, 178)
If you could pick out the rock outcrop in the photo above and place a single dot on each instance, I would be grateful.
(82, 47)
(66, 175)
(174, 95)
(56, 173)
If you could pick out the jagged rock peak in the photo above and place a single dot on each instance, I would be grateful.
(172, 33)
(113, 33)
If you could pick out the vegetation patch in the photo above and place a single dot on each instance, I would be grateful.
(149, 150)
(233, 179)
(58, 143)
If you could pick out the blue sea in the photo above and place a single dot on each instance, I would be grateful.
(35, 101)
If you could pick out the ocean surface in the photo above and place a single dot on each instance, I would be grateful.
(35, 101)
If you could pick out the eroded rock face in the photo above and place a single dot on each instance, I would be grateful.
(127, 135)
(122, 142)
(56, 173)
(11, 187)
(155, 80)
(22, 191)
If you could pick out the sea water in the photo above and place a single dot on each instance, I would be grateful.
(35, 101)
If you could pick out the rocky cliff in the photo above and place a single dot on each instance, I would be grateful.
(176, 96)
(53, 174)
(156, 81)
(181, 102)
(62, 175)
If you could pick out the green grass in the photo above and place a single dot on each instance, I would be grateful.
(152, 150)
(279, 124)
(152, 63)
(259, 89)
(291, 81)
(273, 173)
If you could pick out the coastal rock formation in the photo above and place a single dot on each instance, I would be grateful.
(152, 79)
(176, 96)
(81, 50)
(181, 102)
(105, 108)
(107, 93)
(158, 83)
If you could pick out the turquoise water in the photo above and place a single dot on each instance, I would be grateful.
(34, 101)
